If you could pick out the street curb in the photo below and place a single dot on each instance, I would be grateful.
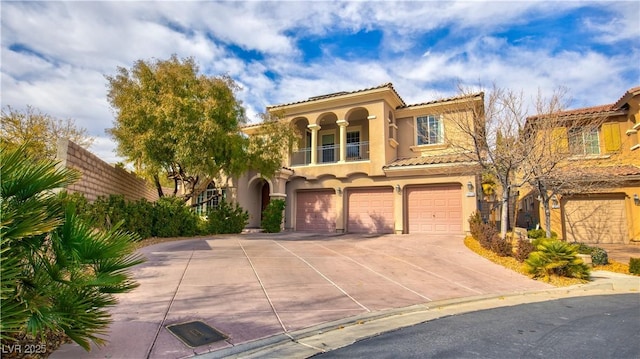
(340, 333)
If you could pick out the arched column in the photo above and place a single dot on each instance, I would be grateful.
(314, 142)
(343, 139)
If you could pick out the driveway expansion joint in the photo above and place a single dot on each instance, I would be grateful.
(343, 332)
(166, 313)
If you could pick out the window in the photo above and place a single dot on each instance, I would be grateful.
(429, 130)
(392, 126)
(208, 199)
(353, 144)
(584, 141)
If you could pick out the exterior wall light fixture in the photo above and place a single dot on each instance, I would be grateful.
(339, 191)
(398, 189)
(636, 199)
(470, 192)
(554, 202)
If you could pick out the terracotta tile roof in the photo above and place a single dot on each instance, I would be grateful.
(445, 100)
(624, 98)
(430, 160)
(338, 94)
(604, 171)
(628, 170)
(602, 110)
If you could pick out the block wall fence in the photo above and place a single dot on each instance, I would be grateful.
(100, 178)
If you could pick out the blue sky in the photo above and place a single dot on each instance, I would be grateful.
(55, 54)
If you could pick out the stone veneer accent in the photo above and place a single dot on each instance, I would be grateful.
(100, 178)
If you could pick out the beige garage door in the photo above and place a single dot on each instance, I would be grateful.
(595, 219)
(435, 209)
(370, 210)
(315, 211)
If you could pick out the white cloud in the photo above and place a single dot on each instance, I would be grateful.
(623, 26)
(104, 148)
(67, 47)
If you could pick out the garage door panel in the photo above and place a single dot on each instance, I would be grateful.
(370, 210)
(595, 220)
(315, 211)
(435, 209)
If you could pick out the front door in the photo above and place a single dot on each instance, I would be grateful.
(328, 147)
(265, 198)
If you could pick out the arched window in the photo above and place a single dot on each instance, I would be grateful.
(209, 199)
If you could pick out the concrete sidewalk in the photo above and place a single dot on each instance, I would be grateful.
(261, 289)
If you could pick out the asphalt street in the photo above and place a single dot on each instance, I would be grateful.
(580, 327)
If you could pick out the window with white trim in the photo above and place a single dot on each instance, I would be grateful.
(353, 144)
(429, 130)
(392, 126)
(584, 141)
(209, 199)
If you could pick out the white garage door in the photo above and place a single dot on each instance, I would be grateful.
(595, 219)
(370, 210)
(435, 209)
(315, 211)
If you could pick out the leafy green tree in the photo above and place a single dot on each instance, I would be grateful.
(39, 131)
(58, 274)
(171, 120)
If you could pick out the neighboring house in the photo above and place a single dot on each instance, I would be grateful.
(368, 163)
(607, 161)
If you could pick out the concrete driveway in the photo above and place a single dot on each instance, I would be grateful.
(253, 286)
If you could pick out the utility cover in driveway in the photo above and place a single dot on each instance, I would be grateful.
(195, 334)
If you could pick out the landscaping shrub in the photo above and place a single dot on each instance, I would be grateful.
(140, 217)
(540, 233)
(583, 248)
(58, 275)
(272, 216)
(524, 249)
(172, 218)
(79, 202)
(634, 266)
(501, 247)
(475, 223)
(108, 211)
(555, 257)
(227, 219)
(484, 233)
(599, 256)
(487, 235)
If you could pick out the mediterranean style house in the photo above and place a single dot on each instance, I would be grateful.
(607, 158)
(366, 162)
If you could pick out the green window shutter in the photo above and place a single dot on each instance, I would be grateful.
(611, 134)
(560, 140)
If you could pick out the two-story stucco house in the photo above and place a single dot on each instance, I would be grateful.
(607, 159)
(366, 162)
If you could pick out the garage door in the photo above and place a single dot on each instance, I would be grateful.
(595, 219)
(435, 209)
(370, 210)
(315, 211)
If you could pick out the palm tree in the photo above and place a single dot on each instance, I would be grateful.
(58, 275)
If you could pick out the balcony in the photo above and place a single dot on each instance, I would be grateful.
(356, 151)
